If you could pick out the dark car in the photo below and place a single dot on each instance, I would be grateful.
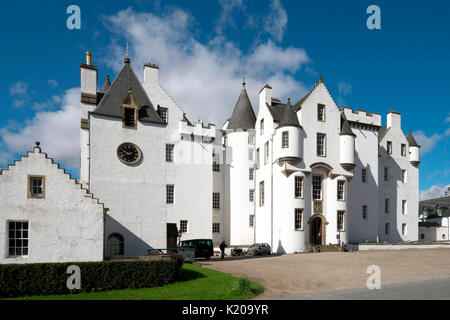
(259, 248)
(203, 247)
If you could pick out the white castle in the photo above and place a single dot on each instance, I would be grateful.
(293, 176)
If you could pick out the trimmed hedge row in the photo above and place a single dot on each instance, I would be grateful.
(17, 280)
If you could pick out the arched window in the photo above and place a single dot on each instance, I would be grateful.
(114, 245)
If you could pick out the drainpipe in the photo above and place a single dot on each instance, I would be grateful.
(271, 191)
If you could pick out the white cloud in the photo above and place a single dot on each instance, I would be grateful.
(226, 16)
(344, 89)
(19, 92)
(448, 119)
(433, 192)
(426, 143)
(204, 79)
(276, 21)
(52, 83)
(58, 132)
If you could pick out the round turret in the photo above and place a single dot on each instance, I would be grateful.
(288, 144)
(347, 146)
(414, 150)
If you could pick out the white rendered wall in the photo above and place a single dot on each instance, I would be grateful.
(65, 226)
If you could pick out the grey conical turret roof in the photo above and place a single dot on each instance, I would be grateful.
(243, 116)
(412, 142)
(106, 85)
(345, 127)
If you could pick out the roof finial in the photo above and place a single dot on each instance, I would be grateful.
(127, 59)
(320, 79)
(243, 81)
(289, 101)
(37, 147)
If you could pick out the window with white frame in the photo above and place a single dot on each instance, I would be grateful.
(17, 238)
(261, 126)
(386, 205)
(162, 113)
(364, 175)
(169, 152)
(298, 219)
(299, 187)
(266, 152)
(285, 139)
(251, 194)
(317, 187)
(216, 227)
(404, 176)
(321, 145)
(386, 228)
(251, 173)
(250, 154)
(216, 200)
(251, 138)
(389, 147)
(183, 226)
(261, 193)
(404, 230)
(404, 208)
(364, 212)
(320, 112)
(216, 163)
(403, 150)
(341, 190)
(340, 221)
(251, 220)
(170, 193)
(257, 159)
(386, 173)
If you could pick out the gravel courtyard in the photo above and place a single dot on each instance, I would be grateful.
(301, 274)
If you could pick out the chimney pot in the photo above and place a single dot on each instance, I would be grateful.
(88, 58)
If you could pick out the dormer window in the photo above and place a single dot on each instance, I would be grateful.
(163, 114)
(129, 118)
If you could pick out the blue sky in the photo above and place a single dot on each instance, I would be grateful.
(204, 48)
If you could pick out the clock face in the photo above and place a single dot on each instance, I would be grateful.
(129, 153)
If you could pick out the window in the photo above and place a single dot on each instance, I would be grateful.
(340, 221)
(251, 220)
(250, 154)
(299, 187)
(341, 190)
(261, 126)
(216, 227)
(386, 173)
(364, 212)
(321, 145)
(36, 187)
(404, 176)
(162, 113)
(18, 238)
(169, 152)
(266, 152)
(216, 163)
(261, 193)
(389, 147)
(364, 175)
(320, 112)
(317, 187)
(386, 205)
(298, 219)
(251, 138)
(403, 149)
(129, 117)
(183, 226)
(386, 228)
(170, 193)
(251, 194)
(115, 245)
(285, 139)
(216, 200)
(404, 207)
(257, 158)
(250, 173)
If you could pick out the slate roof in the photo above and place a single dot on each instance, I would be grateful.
(412, 142)
(345, 127)
(431, 204)
(243, 116)
(382, 132)
(106, 85)
(118, 91)
(284, 114)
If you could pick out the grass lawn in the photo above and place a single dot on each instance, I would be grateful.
(197, 283)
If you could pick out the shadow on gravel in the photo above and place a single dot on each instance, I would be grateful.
(231, 258)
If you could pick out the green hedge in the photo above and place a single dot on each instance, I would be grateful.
(17, 280)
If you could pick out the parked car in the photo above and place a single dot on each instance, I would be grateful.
(203, 247)
(259, 248)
